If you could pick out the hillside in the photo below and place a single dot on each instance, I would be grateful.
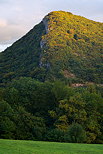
(65, 51)
(63, 46)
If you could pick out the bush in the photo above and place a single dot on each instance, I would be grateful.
(76, 133)
(55, 135)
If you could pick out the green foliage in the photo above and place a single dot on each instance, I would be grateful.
(73, 44)
(60, 90)
(77, 133)
(34, 110)
(22, 57)
(28, 126)
(55, 135)
(7, 125)
(33, 95)
(83, 107)
(71, 51)
(7, 128)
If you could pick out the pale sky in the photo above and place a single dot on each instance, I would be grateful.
(17, 17)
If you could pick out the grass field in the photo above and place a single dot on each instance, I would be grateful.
(36, 147)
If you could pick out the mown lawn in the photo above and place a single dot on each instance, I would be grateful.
(36, 147)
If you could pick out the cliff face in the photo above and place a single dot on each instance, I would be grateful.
(63, 46)
(43, 43)
(45, 22)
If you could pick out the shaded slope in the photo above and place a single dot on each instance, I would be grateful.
(63, 46)
(23, 56)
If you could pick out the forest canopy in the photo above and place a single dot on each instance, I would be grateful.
(33, 110)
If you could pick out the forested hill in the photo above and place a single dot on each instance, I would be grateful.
(63, 46)
(65, 51)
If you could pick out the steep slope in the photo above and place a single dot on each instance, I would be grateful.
(63, 46)
(74, 47)
(23, 56)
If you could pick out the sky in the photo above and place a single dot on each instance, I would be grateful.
(17, 17)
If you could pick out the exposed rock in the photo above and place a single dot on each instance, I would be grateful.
(42, 43)
(78, 85)
(45, 22)
(67, 74)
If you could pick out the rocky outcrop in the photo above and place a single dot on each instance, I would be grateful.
(45, 22)
(42, 44)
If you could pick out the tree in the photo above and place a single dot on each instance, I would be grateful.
(76, 133)
(29, 127)
(7, 128)
(55, 135)
(60, 90)
(7, 125)
(69, 111)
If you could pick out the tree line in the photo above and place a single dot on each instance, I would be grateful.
(51, 111)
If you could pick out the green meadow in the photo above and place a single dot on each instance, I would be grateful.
(38, 147)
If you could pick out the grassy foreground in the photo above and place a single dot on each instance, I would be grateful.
(36, 147)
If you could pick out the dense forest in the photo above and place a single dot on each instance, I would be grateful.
(63, 46)
(33, 110)
(51, 82)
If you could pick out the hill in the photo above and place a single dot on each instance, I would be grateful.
(63, 46)
(65, 51)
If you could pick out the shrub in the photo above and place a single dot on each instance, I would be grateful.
(55, 135)
(76, 133)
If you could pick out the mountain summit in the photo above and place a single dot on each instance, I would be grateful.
(62, 46)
